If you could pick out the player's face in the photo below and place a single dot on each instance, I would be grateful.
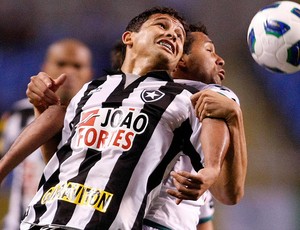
(203, 63)
(73, 60)
(160, 40)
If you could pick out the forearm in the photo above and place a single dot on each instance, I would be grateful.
(37, 112)
(32, 137)
(50, 147)
(215, 141)
(233, 171)
(214, 138)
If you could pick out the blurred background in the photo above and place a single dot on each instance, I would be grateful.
(270, 102)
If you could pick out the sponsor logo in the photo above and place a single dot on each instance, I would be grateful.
(78, 194)
(151, 95)
(106, 127)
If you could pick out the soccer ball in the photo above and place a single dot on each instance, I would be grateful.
(274, 37)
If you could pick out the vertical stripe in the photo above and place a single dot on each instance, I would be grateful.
(189, 149)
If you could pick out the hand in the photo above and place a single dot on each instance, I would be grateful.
(209, 103)
(41, 90)
(191, 186)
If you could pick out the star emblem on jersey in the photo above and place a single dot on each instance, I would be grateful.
(151, 95)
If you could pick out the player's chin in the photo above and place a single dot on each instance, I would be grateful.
(217, 80)
(165, 62)
(173, 57)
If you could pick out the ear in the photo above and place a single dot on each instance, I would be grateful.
(127, 38)
(182, 62)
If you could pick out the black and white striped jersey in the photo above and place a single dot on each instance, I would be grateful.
(116, 145)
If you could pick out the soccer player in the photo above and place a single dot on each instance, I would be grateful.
(200, 63)
(68, 56)
(118, 124)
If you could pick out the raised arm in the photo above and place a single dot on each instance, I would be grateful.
(33, 136)
(233, 173)
(214, 139)
(228, 187)
(41, 93)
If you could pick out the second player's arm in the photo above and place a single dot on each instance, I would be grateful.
(214, 138)
(233, 172)
(41, 93)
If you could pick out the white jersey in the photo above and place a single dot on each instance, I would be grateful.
(207, 210)
(215, 87)
(26, 176)
(163, 212)
(116, 145)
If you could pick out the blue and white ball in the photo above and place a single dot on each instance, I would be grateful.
(274, 37)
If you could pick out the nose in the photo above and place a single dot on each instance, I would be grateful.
(69, 69)
(220, 61)
(172, 35)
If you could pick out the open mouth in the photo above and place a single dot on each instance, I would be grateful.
(169, 46)
(221, 74)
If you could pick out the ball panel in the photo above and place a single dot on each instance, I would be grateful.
(293, 56)
(251, 41)
(274, 5)
(276, 28)
(296, 11)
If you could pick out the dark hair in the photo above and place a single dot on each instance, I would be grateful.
(198, 27)
(117, 55)
(136, 23)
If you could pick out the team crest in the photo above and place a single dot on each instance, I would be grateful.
(152, 95)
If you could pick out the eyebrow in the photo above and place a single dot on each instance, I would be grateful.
(210, 41)
(174, 20)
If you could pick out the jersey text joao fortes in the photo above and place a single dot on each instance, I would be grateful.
(100, 128)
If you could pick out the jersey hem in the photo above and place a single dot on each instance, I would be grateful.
(155, 225)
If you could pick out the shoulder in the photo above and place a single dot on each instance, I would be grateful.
(196, 84)
(183, 86)
(224, 91)
(91, 86)
(100, 80)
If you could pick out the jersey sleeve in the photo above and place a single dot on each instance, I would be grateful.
(224, 91)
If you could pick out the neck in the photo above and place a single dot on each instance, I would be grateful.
(142, 65)
(178, 74)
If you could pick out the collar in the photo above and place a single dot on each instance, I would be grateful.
(113, 71)
(161, 75)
